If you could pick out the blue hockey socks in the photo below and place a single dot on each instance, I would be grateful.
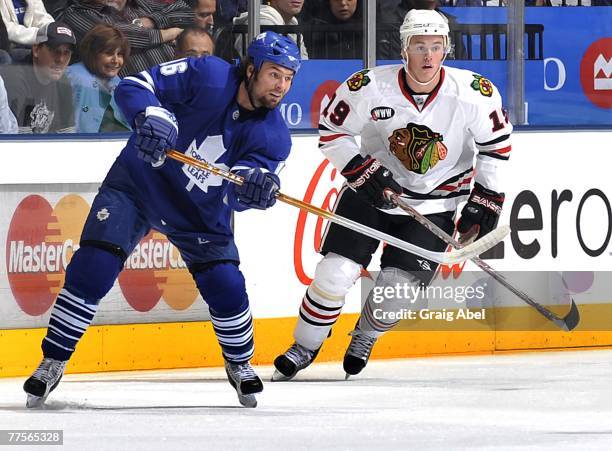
(223, 289)
(89, 276)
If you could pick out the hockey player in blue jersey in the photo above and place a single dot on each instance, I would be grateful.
(210, 110)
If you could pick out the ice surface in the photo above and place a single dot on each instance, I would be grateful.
(551, 400)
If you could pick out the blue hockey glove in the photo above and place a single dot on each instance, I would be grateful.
(258, 189)
(480, 215)
(156, 132)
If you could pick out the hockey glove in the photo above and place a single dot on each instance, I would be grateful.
(480, 215)
(369, 179)
(258, 189)
(156, 132)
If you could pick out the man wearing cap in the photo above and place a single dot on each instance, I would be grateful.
(39, 93)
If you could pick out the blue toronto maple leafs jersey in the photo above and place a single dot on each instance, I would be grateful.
(201, 92)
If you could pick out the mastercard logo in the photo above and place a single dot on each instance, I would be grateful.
(155, 270)
(42, 239)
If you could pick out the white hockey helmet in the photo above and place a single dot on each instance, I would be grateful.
(424, 22)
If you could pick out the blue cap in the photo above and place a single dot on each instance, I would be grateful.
(275, 48)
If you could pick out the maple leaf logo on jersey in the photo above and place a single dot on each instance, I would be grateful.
(358, 80)
(417, 147)
(483, 85)
(210, 151)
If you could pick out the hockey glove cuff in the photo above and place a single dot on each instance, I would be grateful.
(480, 215)
(156, 132)
(369, 179)
(258, 189)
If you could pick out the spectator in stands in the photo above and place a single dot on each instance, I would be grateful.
(573, 2)
(204, 11)
(104, 51)
(149, 26)
(56, 7)
(228, 9)
(341, 44)
(194, 42)
(23, 18)
(8, 123)
(39, 93)
(466, 3)
(390, 15)
(5, 45)
(276, 12)
(482, 2)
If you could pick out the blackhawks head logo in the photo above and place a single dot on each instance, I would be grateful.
(417, 147)
(358, 80)
(483, 85)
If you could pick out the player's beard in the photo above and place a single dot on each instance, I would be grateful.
(269, 102)
(262, 100)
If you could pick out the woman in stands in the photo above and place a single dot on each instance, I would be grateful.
(104, 51)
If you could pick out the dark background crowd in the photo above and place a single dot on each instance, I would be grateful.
(60, 60)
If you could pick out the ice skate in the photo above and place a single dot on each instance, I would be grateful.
(357, 353)
(43, 381)
(295, 359)
(243, 378)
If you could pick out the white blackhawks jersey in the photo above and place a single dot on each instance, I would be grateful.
(434, 145)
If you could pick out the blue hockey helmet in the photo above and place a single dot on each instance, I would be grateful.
(275, 48)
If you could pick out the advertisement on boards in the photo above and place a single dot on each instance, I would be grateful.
(40, 228)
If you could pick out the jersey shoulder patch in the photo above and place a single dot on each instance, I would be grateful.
(358, 80)
(470, 86)
(482, 85)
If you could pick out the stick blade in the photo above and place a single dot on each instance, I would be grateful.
(477, 247)
(571, 320)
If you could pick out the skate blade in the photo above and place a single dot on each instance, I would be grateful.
(277, 376)
(249, 401)
(346, 376)
(35, 402)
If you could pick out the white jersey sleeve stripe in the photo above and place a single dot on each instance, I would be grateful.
(141, 83)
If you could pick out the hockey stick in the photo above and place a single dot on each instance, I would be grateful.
(568, 322)
(448, 258)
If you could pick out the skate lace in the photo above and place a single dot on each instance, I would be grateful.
(299, 354)
(361, 345)
(49, 370)
(244, 371)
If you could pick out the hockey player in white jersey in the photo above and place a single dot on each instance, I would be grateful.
(432, 134)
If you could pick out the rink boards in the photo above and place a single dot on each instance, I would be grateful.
(557, 188)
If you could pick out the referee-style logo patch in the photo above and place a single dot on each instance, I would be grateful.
(381, 113)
